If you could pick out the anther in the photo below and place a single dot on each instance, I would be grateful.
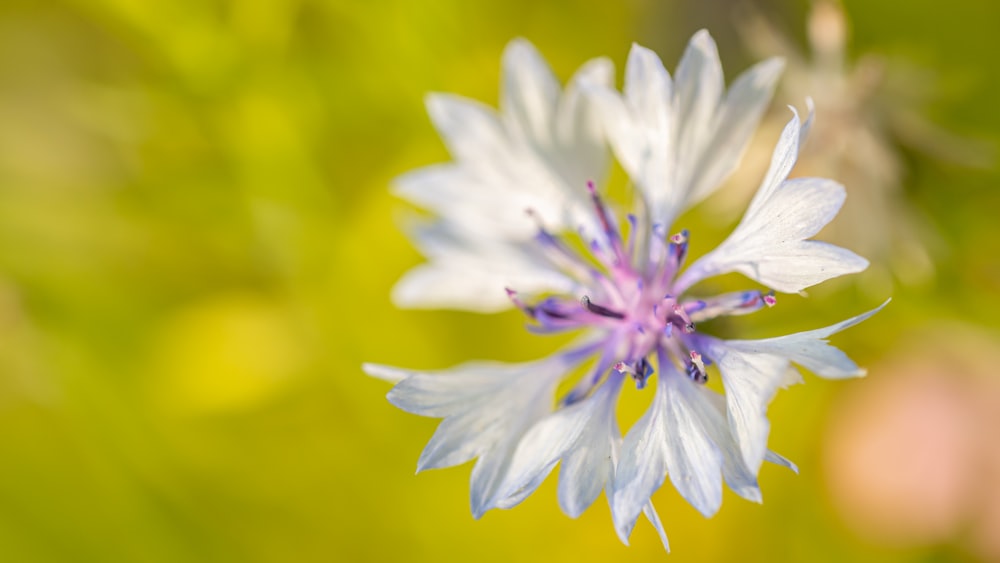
(640, 371)
(682, 319)
(678, 247)
(695, 368)
(599, 310)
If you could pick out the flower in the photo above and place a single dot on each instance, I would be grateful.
(570, 264)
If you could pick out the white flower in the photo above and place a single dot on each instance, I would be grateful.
(626, 294)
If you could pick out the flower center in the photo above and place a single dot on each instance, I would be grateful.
(625, 292)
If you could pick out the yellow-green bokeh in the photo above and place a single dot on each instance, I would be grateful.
(197, 245)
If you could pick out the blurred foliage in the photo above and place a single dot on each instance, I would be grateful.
(197, 245)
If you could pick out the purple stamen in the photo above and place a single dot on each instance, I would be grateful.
(695, 369)
(599, 310)
(737, 303)
(637, 308)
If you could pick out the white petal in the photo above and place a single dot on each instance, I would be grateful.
(385, 373)
(457, 194)
(432, 187)
(540, 449)
(786, 152)
(487, 407)
(751, 381)
(669, 437)
(678, 140)
(792, 377)
(537, 154)
(581, 436)
(811, 349)
(710, 407)
(807, 125)
(452, 443)
(694, 462)
(529, 92)
(623, 130)
(797, 209)
(641, 468)
(769, 245)
(589, 466)
(779, 460)
(645, 146)
(753, 371)
(802, 265)
(698, 93)
(745, 103)
(654, 519)
(638, 124)
(487, 475)
(471, 271)
(430, 286)
(580, 152)
(489, 471)
(461, 388)
(469, 128)
(582, 476)
(648, 88)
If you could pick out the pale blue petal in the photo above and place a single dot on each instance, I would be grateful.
(776, 459)
(693, 461)
(583, 474)
(654, 519)
(769, 244)
(810, 349)
(587, 468)
(710, 408)
(486, 477)
(461, 388)
(452, 444)
(641, 467)
(751, 381)
(487, 407)
(541, 449)
(581, 436)
(753, 371)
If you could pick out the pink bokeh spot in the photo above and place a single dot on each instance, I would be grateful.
(912, 457)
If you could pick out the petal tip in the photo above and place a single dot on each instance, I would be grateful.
(702, 37)
(385, 373)
(518, 51)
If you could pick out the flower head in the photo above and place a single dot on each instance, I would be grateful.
(518, 225)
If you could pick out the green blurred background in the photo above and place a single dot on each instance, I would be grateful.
(197, 245)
